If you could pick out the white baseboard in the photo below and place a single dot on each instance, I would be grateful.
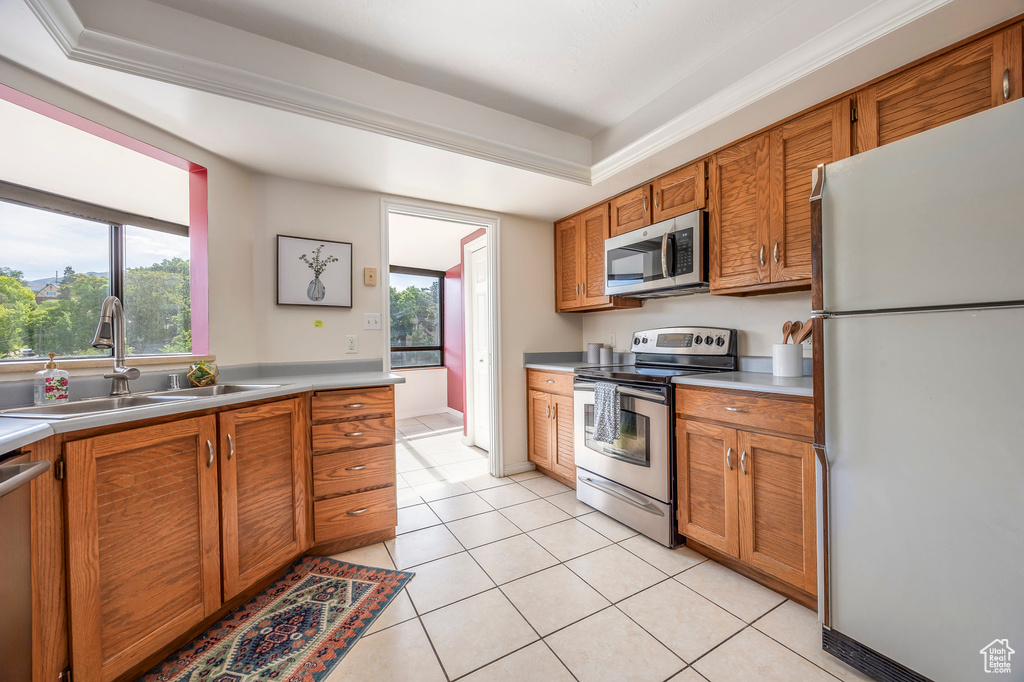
(453, 412)
(519, 468)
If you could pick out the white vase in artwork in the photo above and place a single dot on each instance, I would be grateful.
(316, 290)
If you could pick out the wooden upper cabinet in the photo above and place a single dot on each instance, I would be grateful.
(568, 292)
(707, 463)
(143, 543)
(630, 211)
(263, 450)
(778, 531)
(957, 84)
(594, 229)
(796, 149)
(739, 207)
(680, 191)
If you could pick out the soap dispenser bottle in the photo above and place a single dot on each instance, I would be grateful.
(51, 384)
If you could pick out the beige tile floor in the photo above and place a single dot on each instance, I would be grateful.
(518, 581)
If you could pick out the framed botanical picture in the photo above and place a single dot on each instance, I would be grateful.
(314, 272)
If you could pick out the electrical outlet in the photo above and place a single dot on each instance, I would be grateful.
(319, 324)
(351, 343)
(371, 321)
(611, 340)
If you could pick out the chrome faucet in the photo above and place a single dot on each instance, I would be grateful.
(110, 334)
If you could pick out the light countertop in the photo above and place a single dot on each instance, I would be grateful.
(751, 381)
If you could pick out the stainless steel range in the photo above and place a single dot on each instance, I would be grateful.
(633, 479)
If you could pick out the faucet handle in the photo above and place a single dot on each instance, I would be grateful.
(129, 373)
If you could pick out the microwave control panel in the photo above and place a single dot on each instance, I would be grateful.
(685, 341)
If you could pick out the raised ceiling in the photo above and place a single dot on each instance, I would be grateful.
(534, 108)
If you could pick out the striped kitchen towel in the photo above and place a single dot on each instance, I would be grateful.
(606, 412)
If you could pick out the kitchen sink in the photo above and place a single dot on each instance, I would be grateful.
(81, 408)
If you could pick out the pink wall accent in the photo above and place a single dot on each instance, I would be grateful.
(198, 207)
(455, 330)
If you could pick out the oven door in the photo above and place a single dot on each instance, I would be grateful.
(639, 459)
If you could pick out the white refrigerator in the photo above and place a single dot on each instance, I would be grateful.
(919, 289)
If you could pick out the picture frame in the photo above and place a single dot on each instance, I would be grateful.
(314, 272)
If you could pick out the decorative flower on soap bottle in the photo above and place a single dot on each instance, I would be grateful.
(316, 290)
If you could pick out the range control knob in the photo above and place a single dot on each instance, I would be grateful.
(708, 340)
(636, 340)
(720, 341)
(645, 339)
(699, 340)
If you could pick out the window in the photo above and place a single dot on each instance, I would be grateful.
(60, 258)
(417, 318)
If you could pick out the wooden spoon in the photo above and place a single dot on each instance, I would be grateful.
(797, 326)
(786, 329)
(801, 336)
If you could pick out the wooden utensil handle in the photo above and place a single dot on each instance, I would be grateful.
(805, 332)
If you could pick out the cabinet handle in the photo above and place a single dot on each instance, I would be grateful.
(1006, 84)
(743, 462)
(645, 201)
(355, 433)
(353, 406)
(231, 447)
(577, 288)
(737, 409)
(209, 457)
(762, 255)
(551, 381)
(775, 252)
(358, 468)
(583, 289)
(357, 512)
(656, 199)
(728, 458)
(547, 414)
(554, 411)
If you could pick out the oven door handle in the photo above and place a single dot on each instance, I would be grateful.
(622, 495)
(626, 390)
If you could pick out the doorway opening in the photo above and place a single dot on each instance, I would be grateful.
(440, 291)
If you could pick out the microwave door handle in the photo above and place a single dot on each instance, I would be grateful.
(664, 255)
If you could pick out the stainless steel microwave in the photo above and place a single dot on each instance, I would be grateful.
(669, 258)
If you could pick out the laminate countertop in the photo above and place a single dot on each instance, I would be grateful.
(17, 432)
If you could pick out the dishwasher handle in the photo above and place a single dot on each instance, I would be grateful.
(13, 476)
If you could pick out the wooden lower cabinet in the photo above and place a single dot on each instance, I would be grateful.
(550, 426)
(143, 558)
(746, 494)
(263, 456)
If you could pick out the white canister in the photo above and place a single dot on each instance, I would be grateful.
(788, 359)
(607, 356)
(594, 353)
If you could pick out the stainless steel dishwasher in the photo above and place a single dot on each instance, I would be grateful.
(16, 472)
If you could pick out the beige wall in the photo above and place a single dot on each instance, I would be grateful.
(758, 318)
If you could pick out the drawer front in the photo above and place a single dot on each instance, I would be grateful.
(344, 472)
(360, 403)
(550, 382)
(353, 435)
(754, 410)
(351, 515)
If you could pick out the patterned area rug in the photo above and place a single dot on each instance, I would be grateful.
(297, 630)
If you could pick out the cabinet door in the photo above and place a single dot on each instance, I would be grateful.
(777, 509)
(739, 207)
(679, 192)
(143, 542)
(630, 211)
(568, 279)
(707, 462)
(796, 149)
(563, 457)
(539, 432)
(594, 230)
(957, 84)
(263, 513)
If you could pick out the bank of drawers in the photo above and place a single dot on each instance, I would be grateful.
(353, 463)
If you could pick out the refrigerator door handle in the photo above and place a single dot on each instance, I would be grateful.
(822, 484)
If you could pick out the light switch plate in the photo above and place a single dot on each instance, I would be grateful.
(371, 320)
(370, 277)
(351, 343)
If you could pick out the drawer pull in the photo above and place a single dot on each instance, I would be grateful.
(358, 468)
(551, 381)
(355, 405)
(355, 433)
(357, 512)
(737, 409)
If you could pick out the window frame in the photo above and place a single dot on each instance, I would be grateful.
(422, 272)
(116, 222)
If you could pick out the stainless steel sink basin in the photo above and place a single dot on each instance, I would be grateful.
(81, 408)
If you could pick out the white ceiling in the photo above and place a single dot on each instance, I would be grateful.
(415, 242)
(532, 108)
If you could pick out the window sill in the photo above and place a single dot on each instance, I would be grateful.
(92, 362)
(417, 369)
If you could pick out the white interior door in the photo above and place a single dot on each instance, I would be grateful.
(480, 334)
